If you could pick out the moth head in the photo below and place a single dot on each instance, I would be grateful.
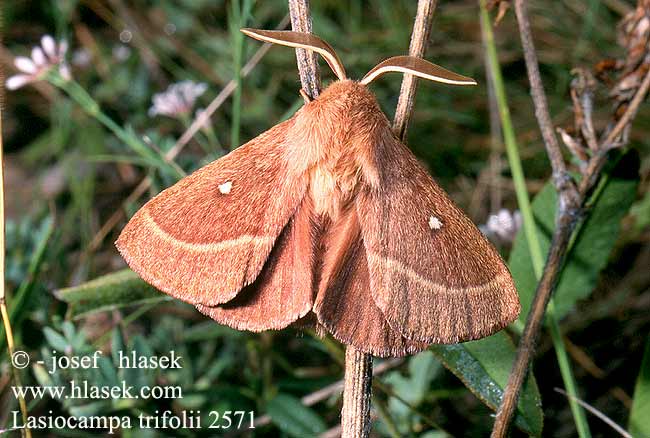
(416, 67)
(301, 40)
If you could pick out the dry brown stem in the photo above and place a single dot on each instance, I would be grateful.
(329, 391)
(572, 196)
(355, 415)
(307, 64)
(419, 42)
(355, 418)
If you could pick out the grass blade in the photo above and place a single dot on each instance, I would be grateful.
(523, 201)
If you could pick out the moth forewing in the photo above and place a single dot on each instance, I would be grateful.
(433, 274)
(208, 236)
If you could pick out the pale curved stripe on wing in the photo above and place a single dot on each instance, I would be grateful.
(311, 42)
(455, 80)
(401, 268)
(206, 247)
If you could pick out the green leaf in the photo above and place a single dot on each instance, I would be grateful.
(412, 388)
(591, 247)
(42, 375)
(56, 340)
(112, 291)
(639, 425)
(483, 366)
(423, 368)
(641, 211)
(136, 375)
(18, 306)
(293, 417)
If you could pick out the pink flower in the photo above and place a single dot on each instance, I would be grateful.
(44, 57)
(177, 100)
(503, 226)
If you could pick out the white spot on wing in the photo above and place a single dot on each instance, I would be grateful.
(225, 187)
(434, 223)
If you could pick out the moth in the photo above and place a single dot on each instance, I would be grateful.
(326, 218)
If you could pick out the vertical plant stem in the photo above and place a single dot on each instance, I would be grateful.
(355, 416)
(542, 114)
(307, 64)
(357, 387)
(419, 40)
(526, 349)
(563, 235)
(3, 298)
(579, 415)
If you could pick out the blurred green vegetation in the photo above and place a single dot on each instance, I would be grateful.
(67, 174)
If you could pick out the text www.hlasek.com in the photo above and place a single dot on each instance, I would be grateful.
(83, 390)
(164, 419)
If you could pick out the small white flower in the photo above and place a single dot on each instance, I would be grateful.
(170, 28)
(43, 58)
(177, 100)
(502, 226)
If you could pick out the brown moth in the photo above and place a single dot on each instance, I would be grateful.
(326, 217)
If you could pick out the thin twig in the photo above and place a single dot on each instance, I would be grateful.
(596, 164)
(568, 207)
(526, 349)
(355, 415)
(419, 40)
(597, 413)
(539, 100)
(355, 418)
(629, 114)
(307, 63)
(571, 200)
